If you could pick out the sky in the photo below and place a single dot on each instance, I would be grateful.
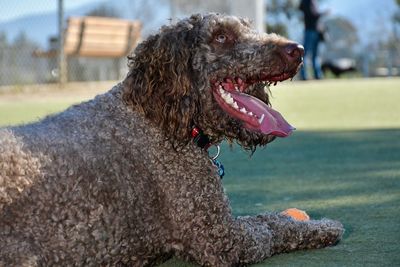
(366, 15)
(10, 9)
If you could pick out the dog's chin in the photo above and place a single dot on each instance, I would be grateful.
(250, 139)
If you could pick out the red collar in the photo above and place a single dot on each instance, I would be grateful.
(200, 139)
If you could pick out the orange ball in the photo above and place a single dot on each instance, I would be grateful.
(296, 214)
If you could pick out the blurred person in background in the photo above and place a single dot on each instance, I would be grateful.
(313, 35)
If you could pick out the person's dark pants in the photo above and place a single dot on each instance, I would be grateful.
(311, 41)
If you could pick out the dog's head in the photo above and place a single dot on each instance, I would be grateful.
(212, 72)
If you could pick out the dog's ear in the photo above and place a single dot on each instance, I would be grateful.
(159, 83)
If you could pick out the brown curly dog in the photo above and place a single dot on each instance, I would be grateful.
(125, 179)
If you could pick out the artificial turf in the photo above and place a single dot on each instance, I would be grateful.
(342, 162)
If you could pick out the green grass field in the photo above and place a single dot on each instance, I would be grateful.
(343, 162)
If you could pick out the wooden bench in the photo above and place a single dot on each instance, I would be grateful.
(98, 37)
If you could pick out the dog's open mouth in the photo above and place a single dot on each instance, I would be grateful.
(233, 97)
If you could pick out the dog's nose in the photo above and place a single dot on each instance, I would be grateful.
(294, 51)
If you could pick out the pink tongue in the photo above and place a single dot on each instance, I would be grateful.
(273, 122)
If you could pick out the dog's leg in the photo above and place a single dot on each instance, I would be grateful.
(206, 232)
(201, 227)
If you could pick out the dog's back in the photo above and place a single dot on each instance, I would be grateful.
(64, 179)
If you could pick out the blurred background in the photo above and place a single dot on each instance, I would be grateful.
(362, 35)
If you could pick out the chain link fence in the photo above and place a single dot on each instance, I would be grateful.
(29, 33)
(17, 65)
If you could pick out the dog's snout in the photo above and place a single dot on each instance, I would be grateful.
(294, 51)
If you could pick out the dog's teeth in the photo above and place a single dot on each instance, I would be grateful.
(260, 120)
(229, 100)
(243, 110)
(235, 105)
(250, 113)
(236, 88)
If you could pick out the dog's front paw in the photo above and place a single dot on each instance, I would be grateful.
(328, 232)
(321, 233)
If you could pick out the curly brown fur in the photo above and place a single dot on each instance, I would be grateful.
(118, 181)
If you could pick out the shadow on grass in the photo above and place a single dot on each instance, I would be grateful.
(351, 176)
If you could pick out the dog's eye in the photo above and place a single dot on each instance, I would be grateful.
(221, 38)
